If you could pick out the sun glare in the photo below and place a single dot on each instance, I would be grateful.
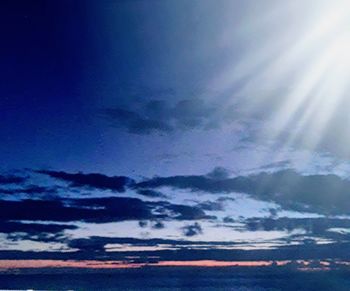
(317, 64)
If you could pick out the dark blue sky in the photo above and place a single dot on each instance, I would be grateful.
(65, 61)
(44, 56)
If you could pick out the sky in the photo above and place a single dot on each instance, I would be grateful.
(155, 132)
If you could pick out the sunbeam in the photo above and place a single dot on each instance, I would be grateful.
(306, 83)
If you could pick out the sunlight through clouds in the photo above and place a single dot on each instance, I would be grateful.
(296, 79)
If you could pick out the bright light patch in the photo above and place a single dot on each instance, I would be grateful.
(301, 93)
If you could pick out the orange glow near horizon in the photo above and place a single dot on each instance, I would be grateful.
(95, 264)
(212, 263)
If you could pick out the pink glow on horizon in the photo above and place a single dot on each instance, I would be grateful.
(95, 264)
(212, 263)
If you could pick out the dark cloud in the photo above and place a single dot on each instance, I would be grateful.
(99, 181)
(313, 226)
(219, 173)
(30, 189)
(323, 193)
(51, 210)
(228, 219)
(164, 117)
(184, 250)
(185, 212)
(134, 122)
(151, 193)
(12, 179)
(17, 231)
(273, 212)
(88, 250)
(225, 198)
(211, 205)
(96, 210)
(143, 223)
(192, 229)
(98, 243)
(115, 208)
(276, 165)
(193, 182)
(33, 228)
(133, 208)
(158, 225)
(328, 194)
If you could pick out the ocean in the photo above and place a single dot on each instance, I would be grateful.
(180, 278)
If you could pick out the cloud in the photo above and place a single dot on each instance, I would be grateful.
(30, 189)
(192, 182)
(97, 210)
(318, 226)
(185, 212)
(98, 243)
(192, 229)
(276, 165)
(12, 179)
(94, 248)
(219, 173)
(143, 223)
(17, 231)
(99, 181)
(134, 122)
(324, 194)
(151, 193)
(211, 205)
(228, 219)
(158, 225)
(327, 194)
(291, 190)
(164, 117)
(33, 228)
(49, 210)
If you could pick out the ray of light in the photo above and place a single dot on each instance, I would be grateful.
(310, 73)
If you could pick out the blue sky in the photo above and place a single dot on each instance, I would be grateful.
(211, 122)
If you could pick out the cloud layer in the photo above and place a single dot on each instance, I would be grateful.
(164, 117)
(54, 217)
